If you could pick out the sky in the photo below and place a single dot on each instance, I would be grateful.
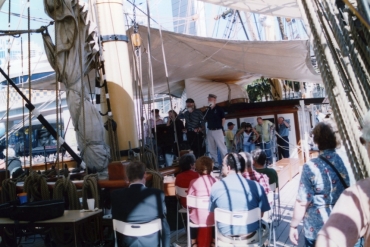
(18, 7)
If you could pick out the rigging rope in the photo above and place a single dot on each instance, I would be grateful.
(79, 19)
(328, 61)
(56, 89)
(30, 134)
(7, 105)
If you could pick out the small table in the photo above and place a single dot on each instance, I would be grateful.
(72, 218)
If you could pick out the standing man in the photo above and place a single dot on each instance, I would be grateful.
(193, 127)
(139, 204)
(229, 137)
(283, 138)
(215, 118)
(264, 128)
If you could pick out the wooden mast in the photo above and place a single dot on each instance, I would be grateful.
(111, 21)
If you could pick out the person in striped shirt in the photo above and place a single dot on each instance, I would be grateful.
(193, 127)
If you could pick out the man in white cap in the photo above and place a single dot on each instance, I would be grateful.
(215, 117)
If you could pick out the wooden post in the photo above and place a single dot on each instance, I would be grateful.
(111, 22)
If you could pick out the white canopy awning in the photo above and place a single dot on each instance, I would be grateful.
(223, 60)
(283, 8)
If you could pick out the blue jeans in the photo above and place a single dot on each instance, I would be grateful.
(309, 242)
(360, 242)
(249, 147)
(219, 158)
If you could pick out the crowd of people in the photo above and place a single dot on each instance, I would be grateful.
(333, 212)
(203, 132)
(239, 188)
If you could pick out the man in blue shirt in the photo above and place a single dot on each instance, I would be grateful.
(283, 139)
(215, 118)
(235, 193)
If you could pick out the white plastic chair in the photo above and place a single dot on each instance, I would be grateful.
(180, 192)
(276, 207)
(240, 218)
(196, 202)
(136, 229)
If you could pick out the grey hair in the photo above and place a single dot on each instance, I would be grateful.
(366, 127)
(186, 161)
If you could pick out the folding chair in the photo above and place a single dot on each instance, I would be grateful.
(180, 192)
(240, 218)
(136, 229)
(194, 202)
(270, 217)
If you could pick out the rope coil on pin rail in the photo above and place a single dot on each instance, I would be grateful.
(36, 187)
(8, 190)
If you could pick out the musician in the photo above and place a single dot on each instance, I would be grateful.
(215, 117)
(193, 127)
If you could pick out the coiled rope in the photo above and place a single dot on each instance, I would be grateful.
(90, 190)
(65, 189)
(150, 160)
(36, 187)
(8, 190)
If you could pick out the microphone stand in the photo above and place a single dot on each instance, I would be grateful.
(205, 135)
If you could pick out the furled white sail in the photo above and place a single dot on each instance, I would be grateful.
(73, 31)
(283, 8)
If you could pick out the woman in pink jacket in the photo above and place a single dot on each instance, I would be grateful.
(201, 187)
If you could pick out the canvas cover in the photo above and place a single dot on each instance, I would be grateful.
(220, 60)
(283, 8)
(86, 119)
(198, 90)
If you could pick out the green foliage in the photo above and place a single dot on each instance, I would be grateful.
(259, 88)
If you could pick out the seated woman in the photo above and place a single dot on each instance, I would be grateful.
(186, 175)
(201, 187)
